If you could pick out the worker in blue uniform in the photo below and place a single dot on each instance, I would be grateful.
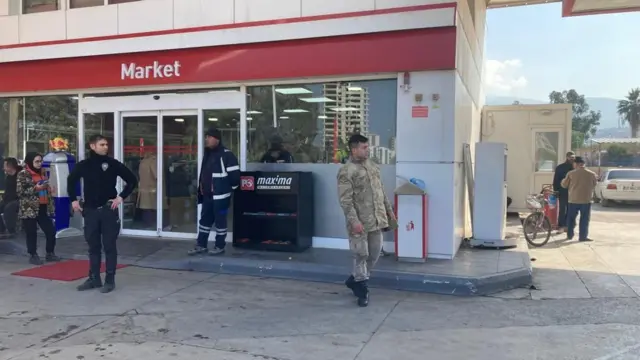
(219, 177)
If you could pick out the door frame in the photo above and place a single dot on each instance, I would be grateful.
(160, 105)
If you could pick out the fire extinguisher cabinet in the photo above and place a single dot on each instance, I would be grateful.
(411, 236)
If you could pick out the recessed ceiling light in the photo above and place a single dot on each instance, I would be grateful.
(294, 91)
(179, 120)
(249, 118)
(284, 117)
(292, 111)
(354, 88)
(213, 119)
(317, 100)
(254, 112)
(345, 109)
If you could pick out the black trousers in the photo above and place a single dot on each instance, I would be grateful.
(563, 203)
(101, 230)
(9, 217)
(31, 230)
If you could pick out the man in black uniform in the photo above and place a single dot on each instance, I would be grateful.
(100, 209)
(563, 194)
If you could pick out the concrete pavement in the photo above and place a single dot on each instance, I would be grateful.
(586, 308)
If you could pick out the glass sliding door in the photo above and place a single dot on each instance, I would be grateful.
(139, 152)
(179, 173)
(162, 142)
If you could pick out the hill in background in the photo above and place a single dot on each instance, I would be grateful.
(609, 123)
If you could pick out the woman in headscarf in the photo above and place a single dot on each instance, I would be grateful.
(36, 207)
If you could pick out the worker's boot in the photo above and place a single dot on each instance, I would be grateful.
(93, 282)
(109, 284)
(351, 283)
(362, 292)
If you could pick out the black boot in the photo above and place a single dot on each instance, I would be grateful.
(52, 257)
(34, 259)
(362, 292)
(93, 282)
(109, 284)
(350, 283)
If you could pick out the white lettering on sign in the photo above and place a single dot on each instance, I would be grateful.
(274, 183)
(154, 71)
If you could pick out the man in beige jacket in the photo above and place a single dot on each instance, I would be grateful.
(581, 182)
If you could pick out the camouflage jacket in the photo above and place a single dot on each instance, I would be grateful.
(362, 197)
(28, 197)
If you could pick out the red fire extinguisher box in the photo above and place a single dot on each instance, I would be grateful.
(411, 236)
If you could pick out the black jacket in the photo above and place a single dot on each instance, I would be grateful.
(277, 154)
(10, 191)
(561, 172)
(219, 176)
(100, 174)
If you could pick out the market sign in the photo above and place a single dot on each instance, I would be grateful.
(156, 70)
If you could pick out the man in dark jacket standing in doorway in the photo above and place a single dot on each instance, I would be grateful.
(219, 177)
(563, 194)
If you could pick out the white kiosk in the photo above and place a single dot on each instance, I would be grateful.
(490, 196)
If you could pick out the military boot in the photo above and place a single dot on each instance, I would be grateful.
(109, 284)
(93, 282)
(362, 292)
(350, 283)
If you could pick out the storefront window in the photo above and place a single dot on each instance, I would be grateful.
(36, 6)
(75, 4)
(29, 123)
(314, 121)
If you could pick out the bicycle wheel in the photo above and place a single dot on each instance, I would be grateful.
(537, 229)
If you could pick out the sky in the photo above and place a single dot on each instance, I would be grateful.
(533, 50)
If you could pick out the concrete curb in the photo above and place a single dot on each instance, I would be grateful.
(386, 279)
(395, 280)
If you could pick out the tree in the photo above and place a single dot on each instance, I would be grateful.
(585, 121)
(617, 152)
(629, 110)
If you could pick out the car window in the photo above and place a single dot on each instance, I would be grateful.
(624, 175)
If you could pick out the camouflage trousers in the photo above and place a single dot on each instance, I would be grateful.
(366, 250)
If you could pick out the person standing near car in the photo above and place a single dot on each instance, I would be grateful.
(368, 213)
(561, 172)
(219, 177)
(36, 208)
(9, 202)
(100, 209)
(580, 184)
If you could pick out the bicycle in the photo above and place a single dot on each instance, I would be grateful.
(537, 222)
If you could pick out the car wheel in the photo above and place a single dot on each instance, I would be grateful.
(596, 199)
(605, 203)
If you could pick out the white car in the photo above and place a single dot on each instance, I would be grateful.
(620, 185)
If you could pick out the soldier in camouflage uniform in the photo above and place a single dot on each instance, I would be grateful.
(368, 213)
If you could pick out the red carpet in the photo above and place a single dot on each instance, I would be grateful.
(69, 270)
